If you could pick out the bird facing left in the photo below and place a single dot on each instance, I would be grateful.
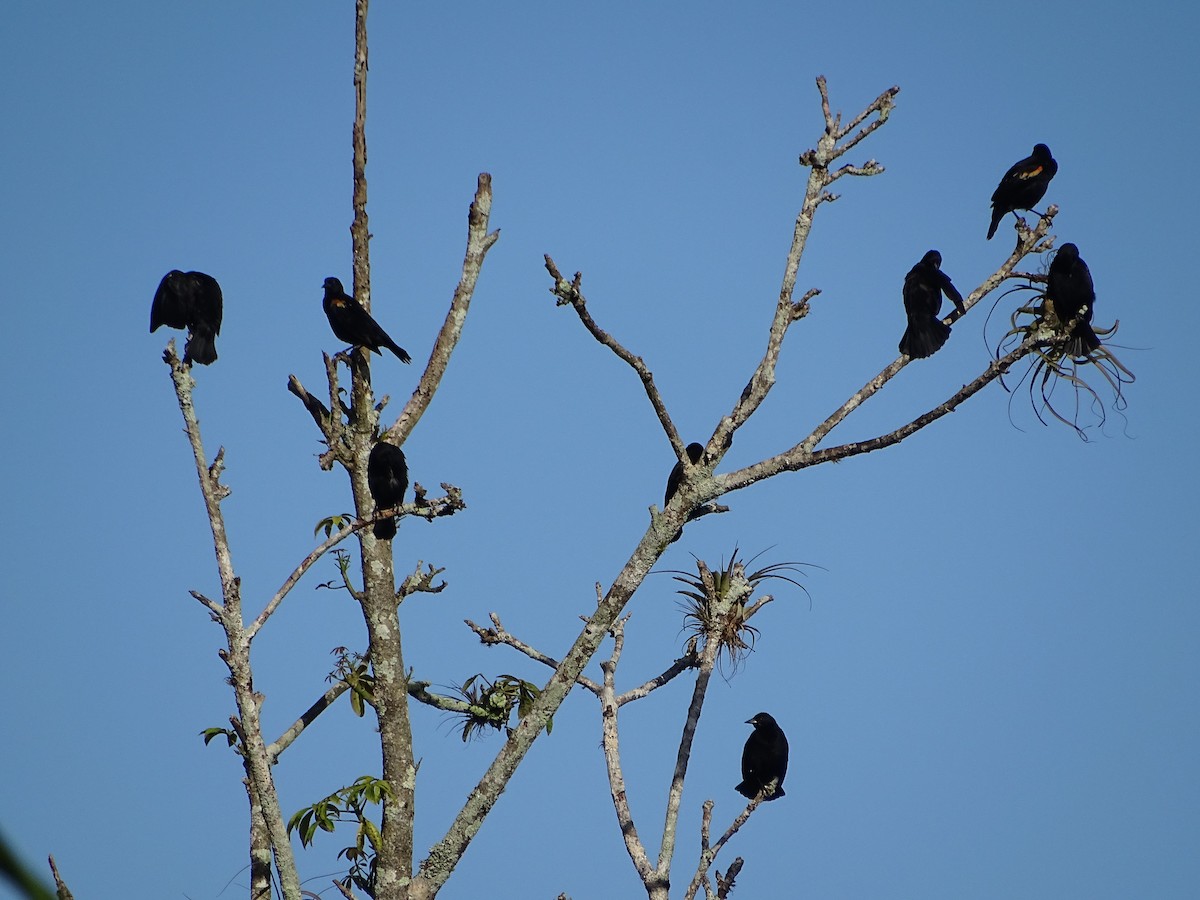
(353, 324)
(764, 758)
(190, 300)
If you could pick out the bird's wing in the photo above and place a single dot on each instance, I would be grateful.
(951, 291)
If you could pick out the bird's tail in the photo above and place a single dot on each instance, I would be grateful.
(924, 337)
(201, 347)
(400, 352)
(1083, 341)
(997, 215)
(385, 529)
(750, 791)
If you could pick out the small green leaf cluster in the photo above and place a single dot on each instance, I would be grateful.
(493, 702)
(348, 804)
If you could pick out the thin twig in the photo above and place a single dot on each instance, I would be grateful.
(689, 660)
(498, 634)
(708, 854)
(570, 293)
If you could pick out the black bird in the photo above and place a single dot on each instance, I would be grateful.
(353, 324)
(387, 479)
(923, 288)
(1069, 293)
(190, 300)
(764, 758)
(1023, 185)
(694, 452)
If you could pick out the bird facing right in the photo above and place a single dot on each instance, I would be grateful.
(1070, 294)
(387, 479)
(1023, 185)
(923, 288)
(764, 758)
(353, 324)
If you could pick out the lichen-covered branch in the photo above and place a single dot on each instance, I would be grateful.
(360, 230)
(237, 653)
(498, 634)
(786, 311)
(322, 703)
(708, 853)
(479, 242)
(804, 454)
(689, 660)
(612, 758)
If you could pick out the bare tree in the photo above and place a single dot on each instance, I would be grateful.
(722, 600)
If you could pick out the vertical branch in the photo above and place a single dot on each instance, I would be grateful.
(360, 234)
(479, 241)
(394, 861)
(237, 654)
(737, 590)
(260, 849)
(612, 758)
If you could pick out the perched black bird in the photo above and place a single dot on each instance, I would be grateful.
(387, 479)
(764, 758)
(694, 452)
(923, 288)
(353, 324)
(190, 300)
(1023, 185)
(1069, 292)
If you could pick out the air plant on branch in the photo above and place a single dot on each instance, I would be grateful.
(719, 603)
(1061, 355)
(491, 703)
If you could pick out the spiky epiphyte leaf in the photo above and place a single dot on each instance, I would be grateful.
(719, 603)
(1057, 363)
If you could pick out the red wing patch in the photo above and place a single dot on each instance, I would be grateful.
(1032, 173)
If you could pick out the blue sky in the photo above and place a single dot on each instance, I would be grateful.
(992, 692)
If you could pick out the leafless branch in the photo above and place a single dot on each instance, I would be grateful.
(322, 703)
(612, 759)
(570, 293)
(708, 854)
(689, 660)
(498, 634)
(64, 892)
(229, 614)
(213, 607)
(725, 882)
(787, 311)
(315, 407)
(479, 241)
(804, 454)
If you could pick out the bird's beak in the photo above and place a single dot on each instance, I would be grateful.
(749, 721)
